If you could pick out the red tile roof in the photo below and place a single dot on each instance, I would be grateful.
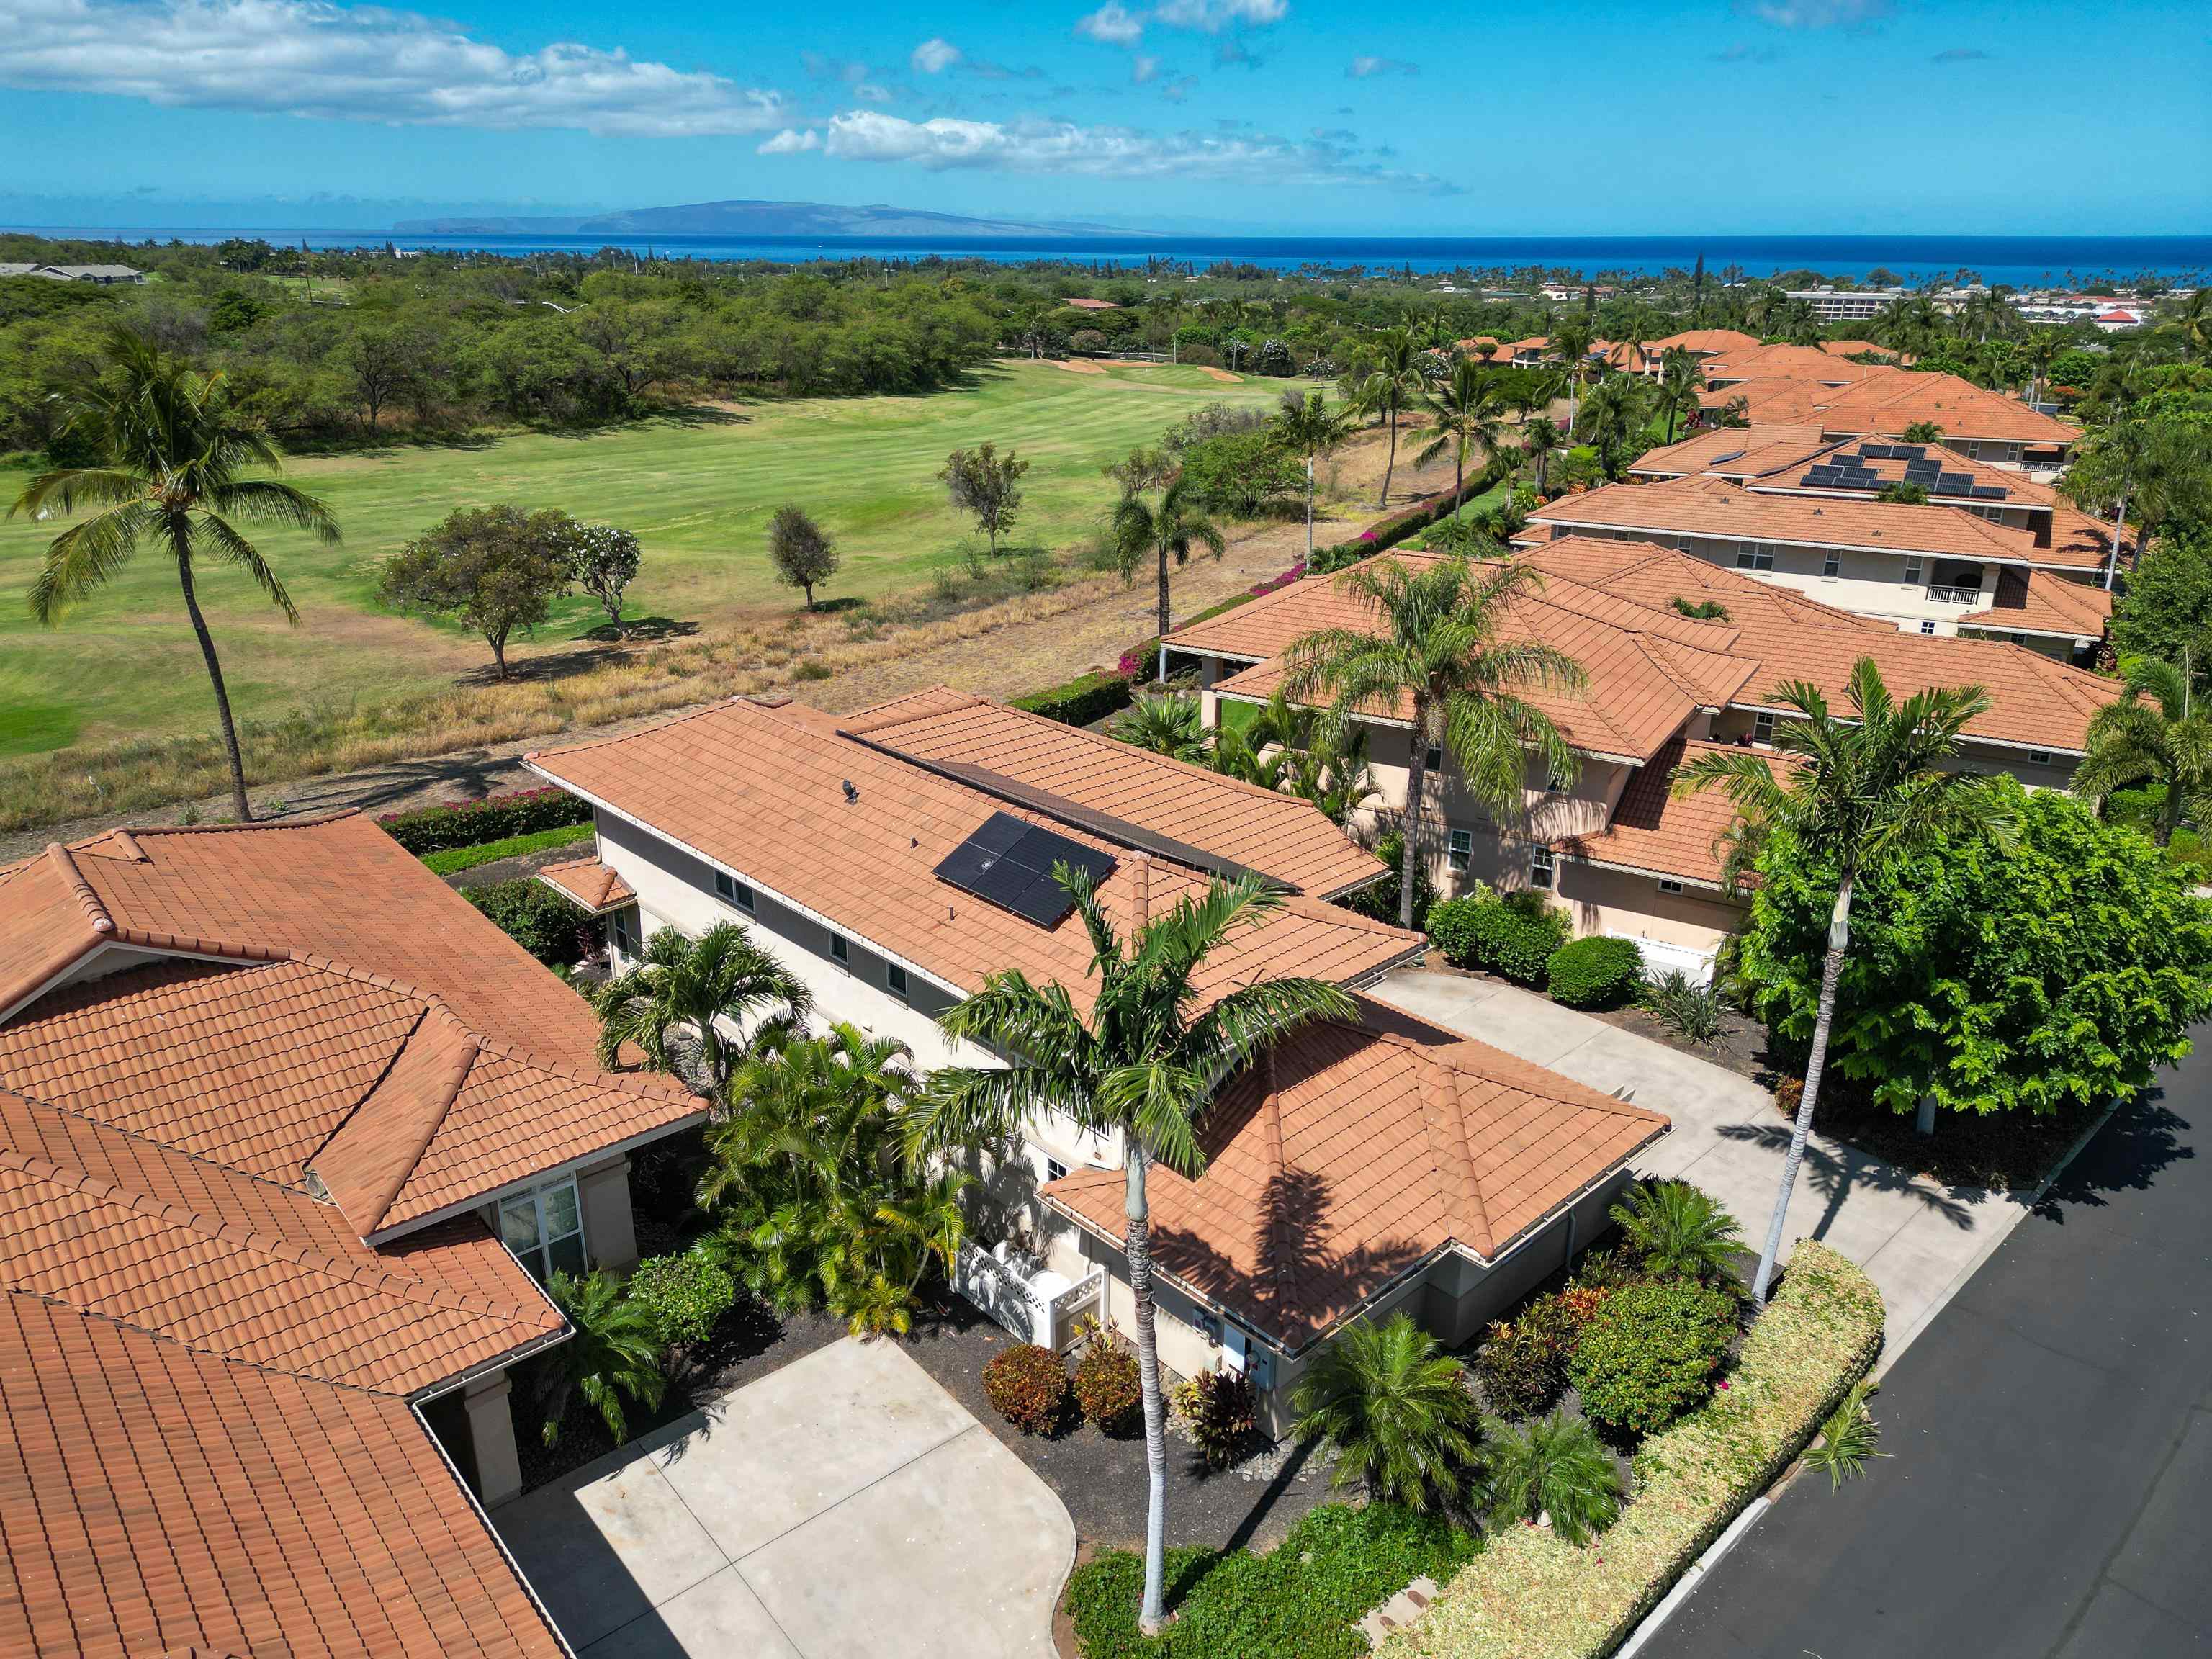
(1736, 451)
(1352, 1154)
(1703, 341)
(1887, 400)
(1652, 831)
(2038, 602)
(590, 883)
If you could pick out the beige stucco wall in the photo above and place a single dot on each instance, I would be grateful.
(1631, 906)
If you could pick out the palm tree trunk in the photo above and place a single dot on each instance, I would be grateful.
(238, 802)
(1152, 1614)
(1417, 776)
(1164, 593)
(1832, 971)
(2169, 815)
(1309, 492)
(1459, 479)
(1391, 465)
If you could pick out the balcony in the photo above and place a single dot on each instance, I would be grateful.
(1937, 595)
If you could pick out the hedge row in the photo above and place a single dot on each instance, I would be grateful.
(1082, 700)
(1531, 1596)
(1388, 532)
(496, 817)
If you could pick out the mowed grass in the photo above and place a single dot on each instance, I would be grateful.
(698, 492)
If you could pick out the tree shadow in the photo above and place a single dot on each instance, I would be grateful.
(639, 630)
(697, 414)
(837, 606)
(2136, 1143)
(1836, 1174)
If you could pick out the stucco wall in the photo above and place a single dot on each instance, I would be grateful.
(1621, 902)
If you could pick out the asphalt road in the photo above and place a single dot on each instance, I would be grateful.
(2050, 1492)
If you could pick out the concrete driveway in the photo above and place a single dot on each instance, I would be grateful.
(845, 1505)
(1917, 1239)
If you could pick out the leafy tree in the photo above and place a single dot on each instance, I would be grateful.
(1868, 789)
(1553, 1466)
(170, 447)
(612, 1355)
(603, 561)
(493, 569)
(1905, 491)
(1310, 427)
(1923, 432)
(680, 1001)
(1397, 1410)
(1169, 528)
(987, 486)
(1140, 1067)
(2165, 611)
(1678, 1230)
(1246, 475)
(2160, 465)
(1165, 723)
(2154, 730)
(1385, 381)
(803, 554)
(1439, 647)
(1466, 413)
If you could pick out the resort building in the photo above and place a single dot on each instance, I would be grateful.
(1847, 305)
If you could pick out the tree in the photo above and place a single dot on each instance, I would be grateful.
(987, 486)
(1867, 789)
(1540, 437)
(2061, 969)
(1307, 426)
(2165, 611)
(679, 1003)
(803, 554)
(1165, 723)
(2158, 465)
(1682, 384)
(2154, 730)
(604, 561)
(611, 1354)
(493, 569)
(1570, 347)
(1159, 532)
(1615, 417)
(1387, 380)
(1467, 412)
(1677, 1229)
(171, 447)
(1553, 1466)
(1397, 1410)
(1923, 432)
(1137, 1070)
(1438, 654)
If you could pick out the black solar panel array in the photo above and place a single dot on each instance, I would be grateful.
(1988, 492)
(1009, 863)
(1953, 483)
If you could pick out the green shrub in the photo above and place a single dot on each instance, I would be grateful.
(1690, 1010)
(1514, 937)
(1028, 1386)
(1451, 923)
(1216, 1407)
(471, 823)
(1522, 1366)
(1082, 700)
(1107, 1387)
(684, 1298)
(551, 927)
(1380, 899)
(1594, 973)
(1651, 1353)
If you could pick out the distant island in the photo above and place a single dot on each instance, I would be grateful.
(751, 218)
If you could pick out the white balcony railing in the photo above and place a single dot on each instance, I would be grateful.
(1025, 1297)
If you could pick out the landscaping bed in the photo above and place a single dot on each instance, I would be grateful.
(2000, 1151)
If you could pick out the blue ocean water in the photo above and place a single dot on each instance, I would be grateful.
(2017, 261)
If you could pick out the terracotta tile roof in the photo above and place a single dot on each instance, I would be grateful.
(1262, 830)
(1860, 348)
(760, 789)
(1886, 400)
(1786, 362)
(1705, 341)
(156, 1498)
(1350, 1154)
(590, 883)
(1652, 831)
(1736, 451)
(2038, 602)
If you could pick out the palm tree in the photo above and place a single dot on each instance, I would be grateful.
(1553, 1468)
(1438, 646)
(2196, 321)
(1571, 345)
(1614, 414)
(1139, 1068)
(2106, 475)
(1309, 426)
(2042, 350)
(1540, 437)
(1168, 530)
(1467, 413)
(2155, 730)
(1681, 380)
(1678, 1230)
(611, 1355)
(1165, 723)
(1387, 380)
(1397, 1410)
(674, 1003)
(1867, 788)
(171, 447)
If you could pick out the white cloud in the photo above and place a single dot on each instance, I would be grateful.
(935, 56)
(1214, 15)
(1363, 66)
(1143, 67)
(361, 64)
(791, 142)
(869, 92)
(1112, 24)
(1816, 14)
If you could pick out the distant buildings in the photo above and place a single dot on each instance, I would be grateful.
(104, 276)
(1847, 305)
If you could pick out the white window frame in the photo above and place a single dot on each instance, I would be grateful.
(1054, 1169)
(1762, 726)
(621, 934)
(1543, 869)
(1459, 850)
(1914, 569)
(2039, 757)
(1668, 885)
(737, 894)
(1831, 564)
(1928, 628)
(537, 1256)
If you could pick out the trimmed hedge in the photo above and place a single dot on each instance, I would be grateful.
(1452, 927)
(1649, 1353)
(1594, 972)
(549, 926)
(1083, 701)
(1513, 937)
(496, 817)
(684, 1296)
(1529, 1596)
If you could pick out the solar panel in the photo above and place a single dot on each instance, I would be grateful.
(1817, 481)
(1922, 471)
(1733, 455)
(1877, 453)
(1954, 483)
(1908, 451)
(1988, 492)
(1010, 864)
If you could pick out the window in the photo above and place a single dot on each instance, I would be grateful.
(1666, 886)
(546, 1228)
(1928, 628)
(1554, 784)
(1762, 726)
(1054, 1170)
(731, 891)
(2039, 757)
(1434, 760)
(895, 979)
(622, 926)
(840, 950)
(1913, 568)
(1833, 565)
(1461, 851)
(1757, 557)
(2018, 639)
(1542, 872)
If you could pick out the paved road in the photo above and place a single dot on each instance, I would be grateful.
(2053, 1440)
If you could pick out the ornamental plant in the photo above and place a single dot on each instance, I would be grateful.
(1217, 1408)
(683, 1298)
(1028, 1386)
(1108, 1389)
(1651, 1353)
(1594, 973)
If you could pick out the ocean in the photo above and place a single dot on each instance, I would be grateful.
(2015, 261)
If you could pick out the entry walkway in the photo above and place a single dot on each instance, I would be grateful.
(845, 1507)
(1917, 1239)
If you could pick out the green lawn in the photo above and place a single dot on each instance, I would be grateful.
(698, 493)
(452, 860)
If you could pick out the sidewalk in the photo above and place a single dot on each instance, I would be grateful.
(1917, 1240)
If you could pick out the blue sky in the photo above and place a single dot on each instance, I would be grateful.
(1549, 117)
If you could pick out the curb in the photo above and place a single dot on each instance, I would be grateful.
(1692, 1576)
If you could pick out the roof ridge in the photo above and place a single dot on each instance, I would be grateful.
(298, 821)
(95, 913)
(677, 718)
(1437, 1086)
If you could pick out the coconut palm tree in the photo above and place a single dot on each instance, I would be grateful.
(1397, 1410)
(1553, 1468)
(1437, 655)
(1160, 531)
(1614, 415)
(1164, 723)
(1467, 414)
(2154, 730)
(1681, 380)
(1139, 1069)
(1540, 437)
(676, 1001)
(2042, 350)
(1570, 347)
(612, 1355)
(1868, 786)
(1387, 381)
(1309, 426)
(171, 446)
(1678, 1230)
(2106, 474)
